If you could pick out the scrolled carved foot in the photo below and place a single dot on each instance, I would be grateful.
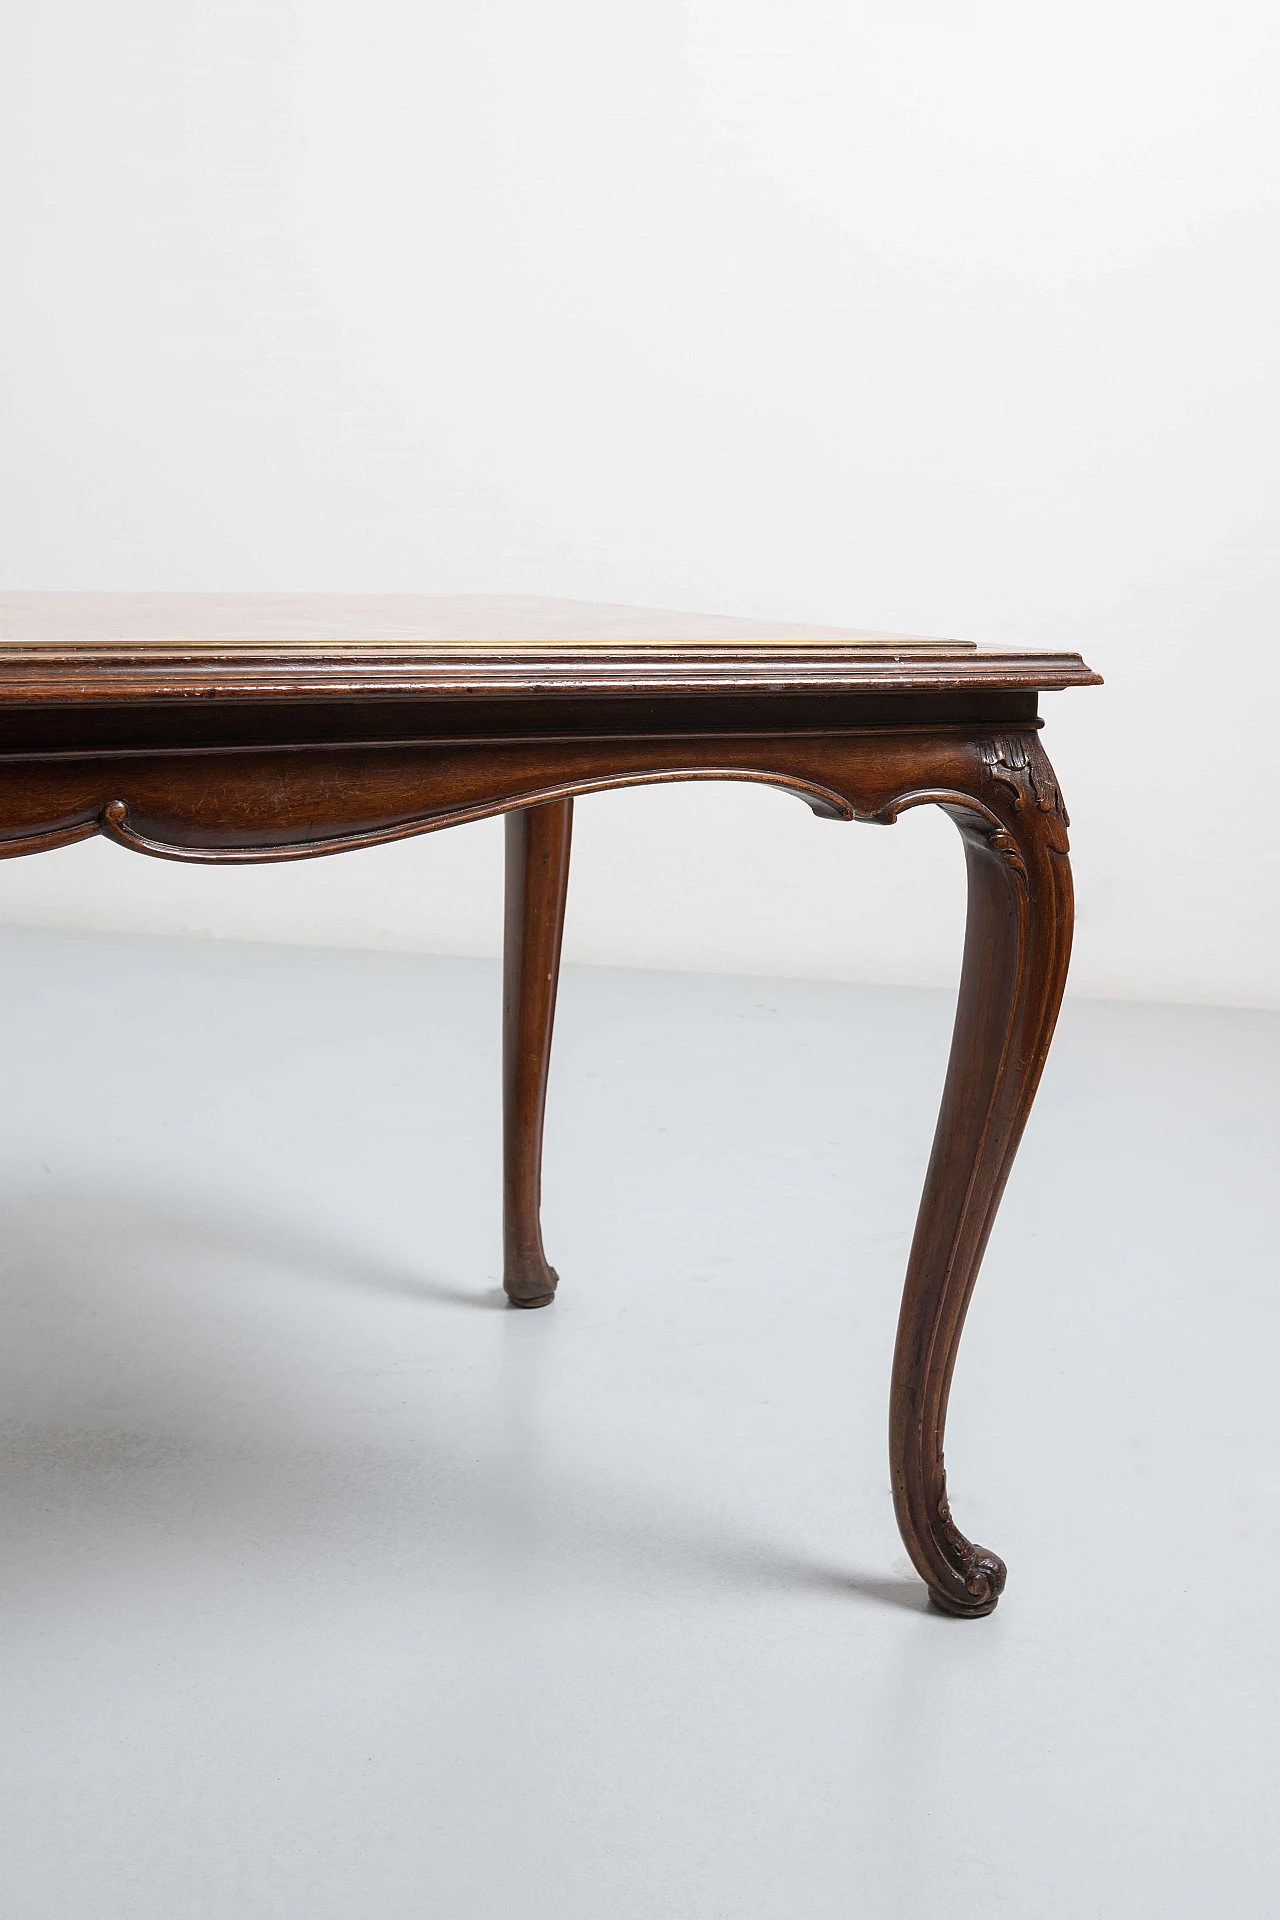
(532, 1284)
(980, 1573)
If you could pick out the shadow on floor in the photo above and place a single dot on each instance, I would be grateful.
(151, 1401)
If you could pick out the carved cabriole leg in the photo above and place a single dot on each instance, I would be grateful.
(1017, 945)
(537, 884)
(995, 783)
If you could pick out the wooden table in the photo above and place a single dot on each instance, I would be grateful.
(224, 729)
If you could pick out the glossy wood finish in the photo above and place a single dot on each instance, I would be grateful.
(537, 884)
(1017, 945)
(235, 752)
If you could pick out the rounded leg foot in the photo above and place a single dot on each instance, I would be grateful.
(983, 1586)
(531, 1286)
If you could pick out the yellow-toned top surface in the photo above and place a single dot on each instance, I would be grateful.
(434, 620)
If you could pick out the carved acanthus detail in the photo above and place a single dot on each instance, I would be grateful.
(1020, 764)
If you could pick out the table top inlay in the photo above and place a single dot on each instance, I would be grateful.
(439, 622)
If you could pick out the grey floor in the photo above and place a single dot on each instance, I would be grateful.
(331, 1588)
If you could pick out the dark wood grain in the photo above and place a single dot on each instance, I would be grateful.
(106, 676)
(248, 754)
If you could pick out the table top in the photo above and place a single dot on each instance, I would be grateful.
(450, 621)
(93, 646)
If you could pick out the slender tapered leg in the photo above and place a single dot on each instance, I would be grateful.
(1017, 945)
(537, 885)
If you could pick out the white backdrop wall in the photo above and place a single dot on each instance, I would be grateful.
(944, 320)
